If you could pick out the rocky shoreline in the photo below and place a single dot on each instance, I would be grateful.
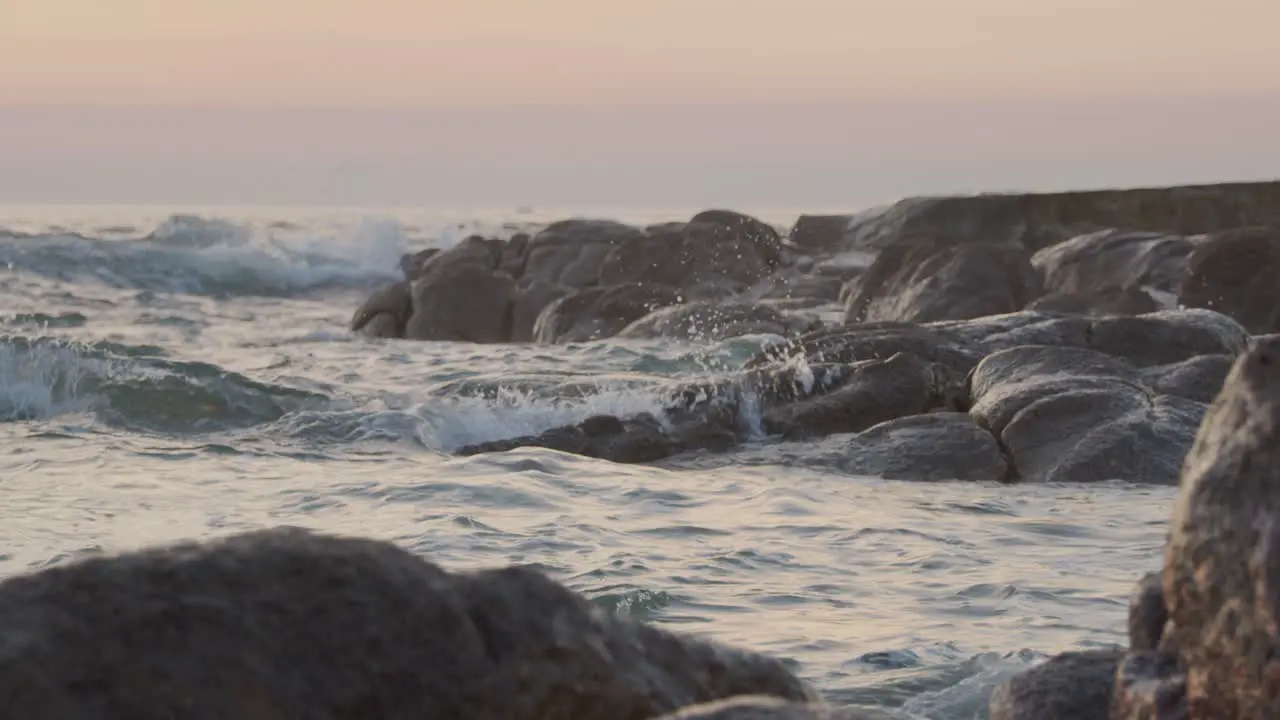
(1036, 337)
(284, 622)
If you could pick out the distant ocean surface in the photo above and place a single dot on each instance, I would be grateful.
(172, 373)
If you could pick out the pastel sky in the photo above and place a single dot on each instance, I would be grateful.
(489, 102)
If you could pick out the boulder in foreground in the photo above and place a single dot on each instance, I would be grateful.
(287, 623)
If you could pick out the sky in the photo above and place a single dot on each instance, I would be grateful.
(627, 102)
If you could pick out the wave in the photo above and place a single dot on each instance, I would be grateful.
(134, 388)
(195, 255)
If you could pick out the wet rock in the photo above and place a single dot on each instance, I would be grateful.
(411, 264)
(755, 707)
(871, 341)
(289, 623)
(1065, 414)
(1235, 274)
(385, 313)
(819, 232)
(1149, 686)
(1222, 570)
(800, 288)
(1097, 303)
(570, 252)
(927, 280)
(873, 392)
(1198, 378)
(597, 313)
(1039, 220)
(709, 321)
(715, 248)
(1114, 260)
(531, 298)
(1070, 686)
(461, 295)
(934, 446)
(1147, 613)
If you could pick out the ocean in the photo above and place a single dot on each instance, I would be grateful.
(172, 373)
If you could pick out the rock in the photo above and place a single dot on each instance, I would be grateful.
(718, 249)
(1147, 613)
(819, 232)
(1098, 303)
(1039, 220)
(570, 252)
(1235, 274)
(385, 313)
(927, 280)
(869, 393)
(1114, 260)
(712, 322)
(1070, 686)
(870, 341)
(597, 313)
(289, 623)
(1222, 570)
(1065, 414)
(933, 446)
(411, 264)
(532, 296)
(462, 296)
(1149, 686)
(1197, 378)
(756, 707)
(633, 440)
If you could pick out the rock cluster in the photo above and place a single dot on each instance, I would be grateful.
(1204, 633)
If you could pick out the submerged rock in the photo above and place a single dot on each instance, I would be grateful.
(1222, 563)
(1070, 686)
(934, 446)
(289, 623)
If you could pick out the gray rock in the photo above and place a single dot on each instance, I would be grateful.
(716, 247)
(1065, 414)
(385, 313)
(874, 391)
(532, 296)
(599, 312)
(289, 623)
(1147, 613)
(1070, 686)
(1114, 260)
(1222, 570)
(1235, 273)
(755, 707)
(461, 295)
(1149, 686)
(1097, 303)
(933, 446)
(1198, 378)
(819, 232)
(709, 321)
(928, 279)
(570, 252)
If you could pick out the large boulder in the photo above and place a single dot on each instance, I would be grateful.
(599, 312)
(1235, 274)
(289, 623)
(1112, 260)
(932, 446)
(1222, 559)
(1070, 686)
(819, 232)
(711, 321)
(385, 313)
(717, 251)
(570, 252)
(928, 279)
(462, 295)
(1068, 414)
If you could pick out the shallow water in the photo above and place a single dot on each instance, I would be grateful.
(163, 379)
